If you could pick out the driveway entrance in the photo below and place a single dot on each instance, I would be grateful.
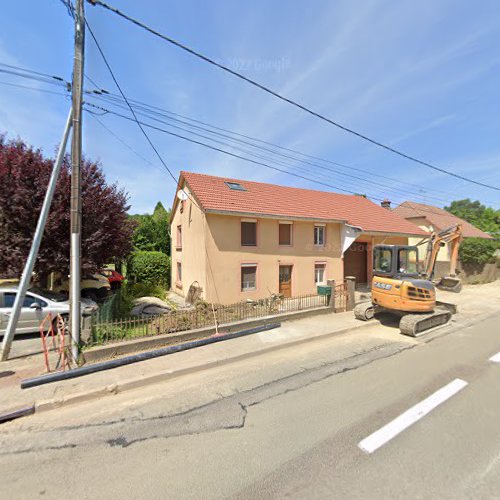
(355, 262)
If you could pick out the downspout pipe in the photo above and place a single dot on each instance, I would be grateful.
(143, 356)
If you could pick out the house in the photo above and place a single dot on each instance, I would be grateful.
(429, 219)
(241, 240)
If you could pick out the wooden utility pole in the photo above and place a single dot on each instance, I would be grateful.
(76, 159)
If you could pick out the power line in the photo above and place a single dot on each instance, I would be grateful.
(38, 89)
(111, 98)
(322, 167)
(371, 183)
(214, 148)
(229, 153)
(35, 78)
(126, 100)
(18, 68)
(260, 86)
(114, 98)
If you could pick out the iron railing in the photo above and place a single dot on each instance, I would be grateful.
(203, 315)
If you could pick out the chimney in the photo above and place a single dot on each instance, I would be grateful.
(386, 204)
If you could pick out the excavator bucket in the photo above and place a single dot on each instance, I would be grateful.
(449, 284)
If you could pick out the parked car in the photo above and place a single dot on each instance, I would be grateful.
(114, 277)
(37, 304)
(95, 287)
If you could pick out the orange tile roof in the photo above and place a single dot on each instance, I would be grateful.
(281, 201)
(439, 218)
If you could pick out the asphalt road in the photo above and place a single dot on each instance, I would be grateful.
(286, 425)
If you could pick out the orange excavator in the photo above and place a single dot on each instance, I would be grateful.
(399, 288)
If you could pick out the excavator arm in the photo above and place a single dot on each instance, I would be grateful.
(453, 235)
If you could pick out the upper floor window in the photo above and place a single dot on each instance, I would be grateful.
(178, 242)
(248, 234)
(319, 235)
(285, 233)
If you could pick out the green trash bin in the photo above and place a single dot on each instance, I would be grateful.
(324, 290)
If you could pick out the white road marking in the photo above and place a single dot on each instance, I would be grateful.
(409, 417)
(495, 358)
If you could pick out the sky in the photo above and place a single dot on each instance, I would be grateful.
(422, 77)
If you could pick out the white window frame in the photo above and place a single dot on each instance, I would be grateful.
(249, 289)
(317, 266)
(319, 229)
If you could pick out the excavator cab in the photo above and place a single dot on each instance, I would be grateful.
(395, 261)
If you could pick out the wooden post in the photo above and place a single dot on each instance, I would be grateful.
(331, 303)
(351, 300)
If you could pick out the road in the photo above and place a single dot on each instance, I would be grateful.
(290, 424)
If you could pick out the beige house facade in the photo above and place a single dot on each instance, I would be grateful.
(234, 252)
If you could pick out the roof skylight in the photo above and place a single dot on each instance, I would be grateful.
(235, 186)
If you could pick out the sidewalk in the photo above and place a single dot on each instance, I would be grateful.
(473, 303)
(45, 397)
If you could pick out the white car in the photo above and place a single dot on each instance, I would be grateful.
(37, 305)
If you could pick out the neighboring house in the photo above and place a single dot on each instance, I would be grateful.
(243, 240)
(430, 218)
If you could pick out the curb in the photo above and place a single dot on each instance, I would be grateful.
(136, 383)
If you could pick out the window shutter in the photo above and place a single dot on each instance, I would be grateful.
(249, 233)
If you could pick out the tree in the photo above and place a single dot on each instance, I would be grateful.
(485, 218)
(152, 231)
(24, 176)
(477, 251)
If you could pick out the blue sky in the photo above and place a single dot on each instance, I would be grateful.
(420, 76)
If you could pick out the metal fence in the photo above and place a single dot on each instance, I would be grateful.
(340, 297)
(203, 315)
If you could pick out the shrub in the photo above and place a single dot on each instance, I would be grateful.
(477, 251)
(150, 268)
(137, 290)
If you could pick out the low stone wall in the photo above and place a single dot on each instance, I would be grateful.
(470, 273)
(125, 347)
(478, 273)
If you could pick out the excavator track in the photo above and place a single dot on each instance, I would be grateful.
(364, 311)
(415, 325)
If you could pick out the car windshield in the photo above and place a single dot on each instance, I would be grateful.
(49, 294)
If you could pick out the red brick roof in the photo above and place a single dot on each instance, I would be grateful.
(439, 218)
(281, 201)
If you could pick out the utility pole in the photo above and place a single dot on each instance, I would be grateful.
(76, 201)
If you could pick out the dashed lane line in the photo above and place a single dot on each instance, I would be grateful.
(409, 417)
(495, 358)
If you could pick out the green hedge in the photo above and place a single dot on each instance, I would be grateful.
(477, 250)
(152, 268)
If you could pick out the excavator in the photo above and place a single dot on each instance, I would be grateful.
(399, 288)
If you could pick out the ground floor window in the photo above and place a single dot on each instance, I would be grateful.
(319, 274)
(179, 272)
(248, 277)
